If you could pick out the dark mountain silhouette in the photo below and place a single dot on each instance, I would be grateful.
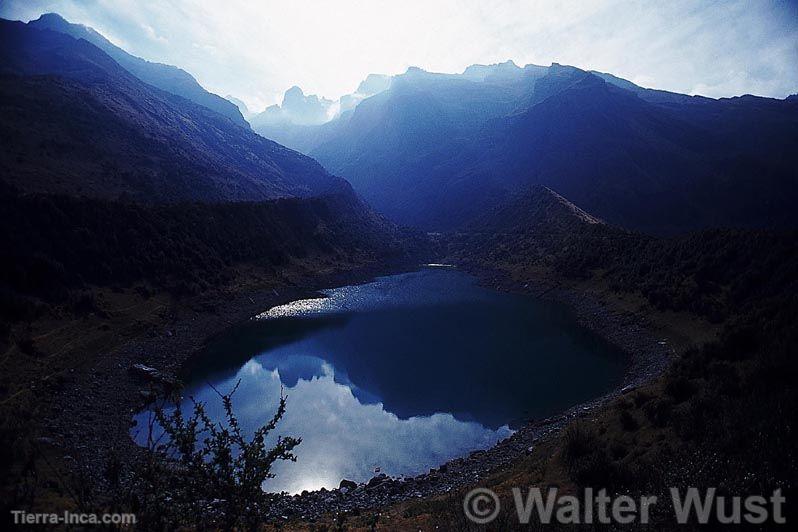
(539, 209)
(108, 181)
(655, 167)
(395, 140)
(165, 77)
(438, 150)
(539, 228)
(75, 122)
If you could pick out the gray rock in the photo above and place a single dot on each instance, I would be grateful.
(347, 484)
(376, 481)
(146, 371)
(153, 375)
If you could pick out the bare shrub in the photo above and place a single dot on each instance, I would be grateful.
(206, 473)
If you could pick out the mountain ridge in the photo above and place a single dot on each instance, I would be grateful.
(435, 150)
(77, 122)
(166, 77)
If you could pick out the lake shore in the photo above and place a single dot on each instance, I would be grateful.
(648, 355)
(87, 419)
(103, 400)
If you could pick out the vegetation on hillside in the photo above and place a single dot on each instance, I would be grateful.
(53, 247)
(715, 273)
(77, 269)
(723, 414)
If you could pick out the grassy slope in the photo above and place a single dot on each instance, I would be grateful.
(723, 413)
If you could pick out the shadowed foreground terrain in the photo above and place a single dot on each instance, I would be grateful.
(722, 415)
(128, 211)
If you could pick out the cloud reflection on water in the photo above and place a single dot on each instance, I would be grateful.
(341, 436)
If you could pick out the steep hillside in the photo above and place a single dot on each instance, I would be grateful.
(657, 168)
(436, 151)
(538, 228)
(105, 180)
(75, 122)
(716, 273)
(165, 77)
(539, 209)
(68, 244)
(390, 144)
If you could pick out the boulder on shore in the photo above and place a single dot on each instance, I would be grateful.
(151, 374)
(347, 484)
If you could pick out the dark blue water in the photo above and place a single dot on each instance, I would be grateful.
(402, 373)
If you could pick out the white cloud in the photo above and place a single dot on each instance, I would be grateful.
(152, 35)
(256, 50)
(341, 437)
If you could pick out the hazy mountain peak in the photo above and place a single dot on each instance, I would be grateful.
(293, 93)
(411, 70)
(373, 84)
(302, 109)
(479, 72)
(240, 104)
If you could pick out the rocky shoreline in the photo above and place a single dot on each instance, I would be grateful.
(648, 357)
(102, 399)
(88, 418)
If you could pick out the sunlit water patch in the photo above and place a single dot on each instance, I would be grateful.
(400, 374)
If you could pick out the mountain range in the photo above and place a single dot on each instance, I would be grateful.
(76, 122)
(436, 151)
(433, 151)
(293, 122)
(108, 180)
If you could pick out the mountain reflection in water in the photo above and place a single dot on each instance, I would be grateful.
(402, 373)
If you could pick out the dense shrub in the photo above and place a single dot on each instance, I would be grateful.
(205, 473)
(54, 246)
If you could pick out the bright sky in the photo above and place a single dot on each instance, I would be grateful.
(255, 50)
